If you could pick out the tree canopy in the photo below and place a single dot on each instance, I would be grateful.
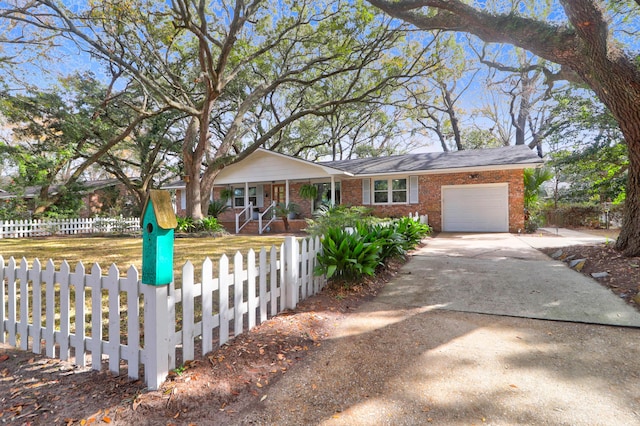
(241, 72)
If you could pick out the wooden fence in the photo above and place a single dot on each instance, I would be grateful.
(95, 318)
(40, 228)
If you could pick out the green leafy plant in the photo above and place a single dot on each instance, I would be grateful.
(226, 194)
(209, 224)
(185, 224)
(326, 217)
(217, 207)
(392, 244)
(347, 256)
(309, 191)
(412, 231)
(283, 211)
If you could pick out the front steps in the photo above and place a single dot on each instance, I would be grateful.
(276, 227)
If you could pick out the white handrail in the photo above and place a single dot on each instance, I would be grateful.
(272, 210)
(249, 209)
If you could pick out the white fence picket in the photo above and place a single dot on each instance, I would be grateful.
(23, 324)
(48, 276)
(251, 289)
(223, 301)
(131, 352)
(259, 291)
(12, 322)
(94, 281)
(64, 278)
(304, 270)
(238, 293)
(262, 293)
(209, 319)
(35, 330)
(274, 289)
(112, 348)
(78, 341)
(188, 311)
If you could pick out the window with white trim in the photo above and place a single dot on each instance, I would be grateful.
(238, 196)
(390, 191)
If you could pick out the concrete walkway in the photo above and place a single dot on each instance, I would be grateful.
(451, 342)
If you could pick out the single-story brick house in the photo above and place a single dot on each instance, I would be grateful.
(466, 191)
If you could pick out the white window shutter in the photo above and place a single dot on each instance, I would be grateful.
(366, 191)
(259, 196)
(183, 199)
(413, 189)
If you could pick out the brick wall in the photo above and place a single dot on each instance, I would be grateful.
(429, 187)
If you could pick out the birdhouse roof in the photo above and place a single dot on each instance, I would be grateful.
(162, 209)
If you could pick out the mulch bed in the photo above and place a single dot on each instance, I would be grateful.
(624, 272)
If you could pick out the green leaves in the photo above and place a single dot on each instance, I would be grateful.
(346, 256)
(349, 254)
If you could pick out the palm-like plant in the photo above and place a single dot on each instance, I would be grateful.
(533, 180)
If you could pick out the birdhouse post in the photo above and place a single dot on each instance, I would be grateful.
(158, 223)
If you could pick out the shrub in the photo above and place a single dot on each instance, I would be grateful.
(185, 224)
(390, 241)
(573, 215)
(347, 256)
(217, 207)
(326, 217)
(209, 224)
(412, 231)
(532, 224)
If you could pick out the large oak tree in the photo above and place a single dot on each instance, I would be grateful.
(583, 40)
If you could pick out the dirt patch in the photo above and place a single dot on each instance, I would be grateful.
(35, 390)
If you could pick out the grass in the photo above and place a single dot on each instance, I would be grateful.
(125, 251)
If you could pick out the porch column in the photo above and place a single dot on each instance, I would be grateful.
(246, 201)
(286, 192)
(333, 191)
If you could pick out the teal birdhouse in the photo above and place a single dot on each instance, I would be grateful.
(158, 223)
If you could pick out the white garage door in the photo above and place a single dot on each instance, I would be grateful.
(475, 208)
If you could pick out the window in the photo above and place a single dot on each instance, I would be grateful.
(324, 194)
(390, 191)
(238, 196)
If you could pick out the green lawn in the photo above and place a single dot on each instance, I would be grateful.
(128, 251)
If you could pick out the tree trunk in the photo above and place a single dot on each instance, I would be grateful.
(192, 160)
(629, 239)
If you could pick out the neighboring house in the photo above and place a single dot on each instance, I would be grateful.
(94, 194)
(465, 191)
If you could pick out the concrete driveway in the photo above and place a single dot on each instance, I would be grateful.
(451, 341)
(502, 274)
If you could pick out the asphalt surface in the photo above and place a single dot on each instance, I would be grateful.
(476, 329)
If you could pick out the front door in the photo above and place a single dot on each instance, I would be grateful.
(279, 193)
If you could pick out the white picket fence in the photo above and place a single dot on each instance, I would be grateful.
(91, 317)
(44, 227)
